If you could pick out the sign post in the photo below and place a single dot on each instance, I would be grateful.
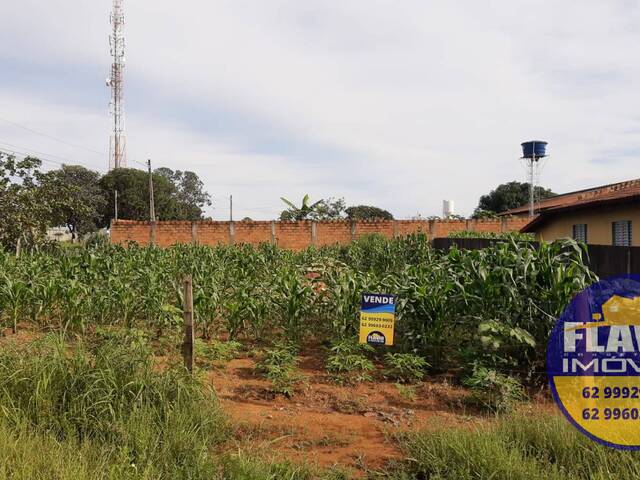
(377, 318)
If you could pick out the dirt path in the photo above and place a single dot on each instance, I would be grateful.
(325, 424)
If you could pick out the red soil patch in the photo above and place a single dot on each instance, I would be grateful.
(325, 424)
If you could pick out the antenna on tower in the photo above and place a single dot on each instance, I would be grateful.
(117, 142)
(532, 152)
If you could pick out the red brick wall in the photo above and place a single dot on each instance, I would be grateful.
(169, 233)
(124, 231)
(212, 233)
(296, 235)
(384, 228)
(252, 232)
(293, 235)
(328, 233)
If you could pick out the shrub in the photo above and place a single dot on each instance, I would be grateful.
(492, 390)
(405, 367)
(408, 392)
(278, 365)
(348, 362)
(216, 351)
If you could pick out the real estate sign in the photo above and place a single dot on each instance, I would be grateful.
(377, 318)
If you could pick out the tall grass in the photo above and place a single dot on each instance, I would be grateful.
(519, 446)
(162, 424)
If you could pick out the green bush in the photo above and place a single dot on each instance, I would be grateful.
(278, 365)
(405, 367)
(493, 391)
(216, 351)
(348, 362)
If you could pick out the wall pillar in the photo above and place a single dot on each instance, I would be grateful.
(152, 234)
(274, 240)
(353, 231)
(314, 233)
(194, 232)
(395, 229)
(232, 233)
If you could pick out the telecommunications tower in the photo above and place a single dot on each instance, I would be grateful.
(532, 153)
(117, 142)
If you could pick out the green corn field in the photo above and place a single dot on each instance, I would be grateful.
(88, 394)
(493, 306)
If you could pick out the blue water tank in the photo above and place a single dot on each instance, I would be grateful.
(534, 148)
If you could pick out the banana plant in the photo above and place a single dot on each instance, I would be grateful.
(303, 211)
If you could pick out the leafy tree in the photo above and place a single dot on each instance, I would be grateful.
(190, 193)
(177, 195)
(133, 195)
(366, 212)
(329, 209)
(29, 203)
(507, 196)
(84, 201)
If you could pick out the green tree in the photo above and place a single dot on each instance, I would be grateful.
(367, 212)
(190, 193)
(507, 196)
(29, 203)
(329, 209)
(85, 200)
(133, 195)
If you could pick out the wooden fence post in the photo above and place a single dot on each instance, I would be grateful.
(187, 346)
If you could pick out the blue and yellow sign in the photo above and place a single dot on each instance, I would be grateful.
(377, 318)
(593, 362)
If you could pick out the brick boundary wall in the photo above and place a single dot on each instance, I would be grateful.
(295, 235)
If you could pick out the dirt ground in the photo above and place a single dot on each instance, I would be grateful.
(325, 424)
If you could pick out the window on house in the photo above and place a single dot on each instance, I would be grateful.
(621, 233)
(580, 232)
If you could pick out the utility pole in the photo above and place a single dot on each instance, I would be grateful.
(115, 197)
(231, 208)
(152, 208)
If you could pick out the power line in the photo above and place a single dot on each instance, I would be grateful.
(52, 137)
(4, 142)
(25, 155)
(29, 152)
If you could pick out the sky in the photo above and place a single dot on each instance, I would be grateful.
(395, 103)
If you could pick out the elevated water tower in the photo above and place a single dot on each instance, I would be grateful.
(448, 208)
(532, 152)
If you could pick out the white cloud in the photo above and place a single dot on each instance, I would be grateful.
(399, 104)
